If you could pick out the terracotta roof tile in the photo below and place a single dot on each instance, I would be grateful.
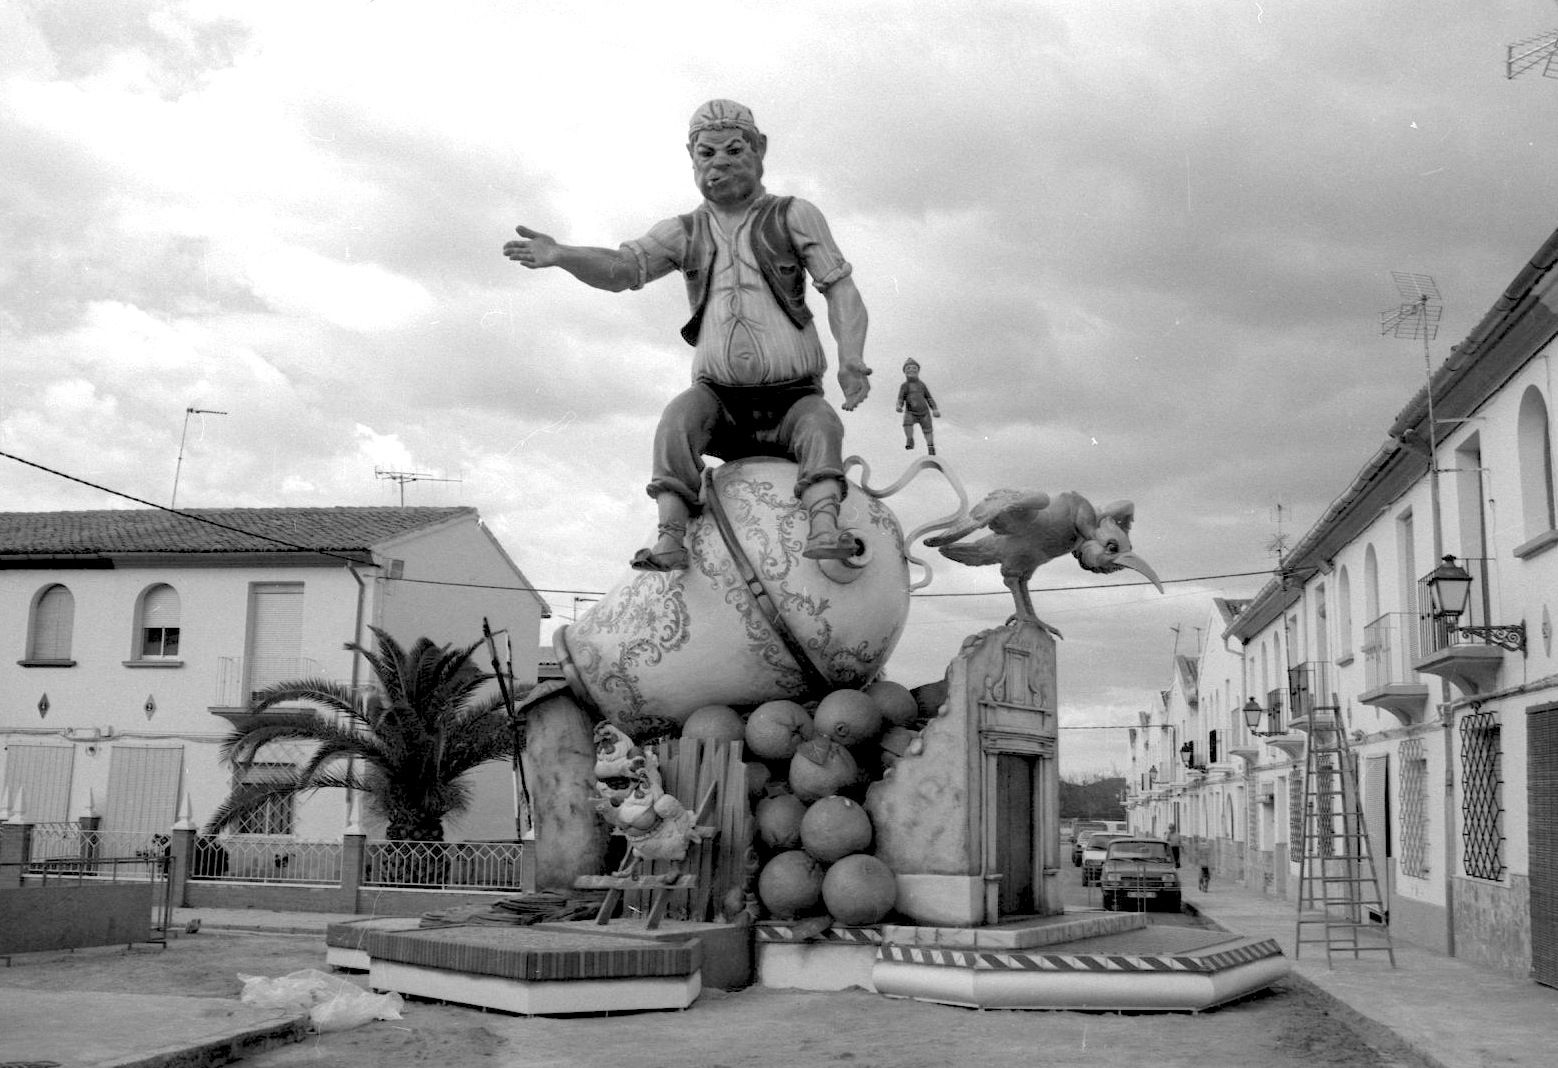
(151, 530)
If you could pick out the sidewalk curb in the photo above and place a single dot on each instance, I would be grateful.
(1384, 1038)
(227, 1049)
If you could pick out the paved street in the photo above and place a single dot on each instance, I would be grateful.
(1288, 1027)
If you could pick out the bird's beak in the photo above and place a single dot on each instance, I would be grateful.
(1136, 563)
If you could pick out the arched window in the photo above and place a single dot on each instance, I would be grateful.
(157, 624)
(1344, 610)
(49, 629)
(1536, 465)
(1370, 585)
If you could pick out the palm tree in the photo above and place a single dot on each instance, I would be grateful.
(406, 746)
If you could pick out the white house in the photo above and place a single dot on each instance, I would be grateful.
(134, 638)
(1453, 722)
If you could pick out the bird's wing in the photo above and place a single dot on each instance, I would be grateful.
(974, 553)
(1016, 511)
(975, 520)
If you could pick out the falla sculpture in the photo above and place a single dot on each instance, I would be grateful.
(780, 575)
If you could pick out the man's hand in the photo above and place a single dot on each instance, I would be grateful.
(855, 380)
(533, 249)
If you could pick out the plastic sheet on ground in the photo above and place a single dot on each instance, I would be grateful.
(332, 1003)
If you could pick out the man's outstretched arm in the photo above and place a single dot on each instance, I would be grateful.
(604, 268)
(847, 320)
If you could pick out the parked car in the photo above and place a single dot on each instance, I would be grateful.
(1079, 832)
(1138, 871)
(1093, 854)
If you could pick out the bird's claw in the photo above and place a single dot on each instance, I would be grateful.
(1015, 619)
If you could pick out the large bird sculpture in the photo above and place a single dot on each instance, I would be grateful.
(1028, 530)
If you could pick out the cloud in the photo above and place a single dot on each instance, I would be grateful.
(1140, 250)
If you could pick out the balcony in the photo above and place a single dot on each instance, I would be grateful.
(1470, 661)
(1311, 693)
(1389, 680)
(1278, 736)
(239, 678)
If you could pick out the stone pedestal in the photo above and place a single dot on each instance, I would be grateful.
(968, 817)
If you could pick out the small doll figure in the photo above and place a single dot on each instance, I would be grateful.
(917, 406)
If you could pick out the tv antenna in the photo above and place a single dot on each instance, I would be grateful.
(1417, 318)
(1539, 51)
(403, 477)
(1278, 545)
(174, 501)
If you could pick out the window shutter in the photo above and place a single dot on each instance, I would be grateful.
(143, 789)
(1542, 832)
(41, 773)
(276, 642)
(53, 620)
(160, 608)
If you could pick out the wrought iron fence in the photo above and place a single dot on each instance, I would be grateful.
(424, 865)
(256, 858)
(464, 865)
(69, 842)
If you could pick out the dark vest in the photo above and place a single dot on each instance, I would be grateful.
(777, 259)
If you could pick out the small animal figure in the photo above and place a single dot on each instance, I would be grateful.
(1029, 529)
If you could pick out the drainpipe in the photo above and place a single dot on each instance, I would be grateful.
(362, 597)
(1447, 723)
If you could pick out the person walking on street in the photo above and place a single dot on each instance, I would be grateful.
(1174, 842)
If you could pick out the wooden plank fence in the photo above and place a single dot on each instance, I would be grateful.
(688, 768)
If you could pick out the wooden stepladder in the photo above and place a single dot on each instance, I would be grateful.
(1338, 884)
(660, 884)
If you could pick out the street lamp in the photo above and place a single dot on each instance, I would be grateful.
(1187, 753)
(1252, 715)
(1449, 588)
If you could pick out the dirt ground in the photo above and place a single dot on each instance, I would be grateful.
(1282, 1028)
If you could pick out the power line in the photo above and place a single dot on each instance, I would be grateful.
(539, 589)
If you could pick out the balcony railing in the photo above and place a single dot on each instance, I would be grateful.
(1311, 689)
(239, 678)
(1435, 635)
(1391, 645)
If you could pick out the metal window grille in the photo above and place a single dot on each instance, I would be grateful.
(274, 816)
(1296, 818)
(1414, 809)
(1325, 809)
(1482, 809)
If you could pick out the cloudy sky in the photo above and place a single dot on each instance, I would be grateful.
(1140, 248)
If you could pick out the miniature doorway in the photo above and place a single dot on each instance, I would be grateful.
(1016, 847)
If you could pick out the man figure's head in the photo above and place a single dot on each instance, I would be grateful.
(911, 369)
(727, 152)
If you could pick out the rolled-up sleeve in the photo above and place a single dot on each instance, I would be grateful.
(658, 252)
(824, 262)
